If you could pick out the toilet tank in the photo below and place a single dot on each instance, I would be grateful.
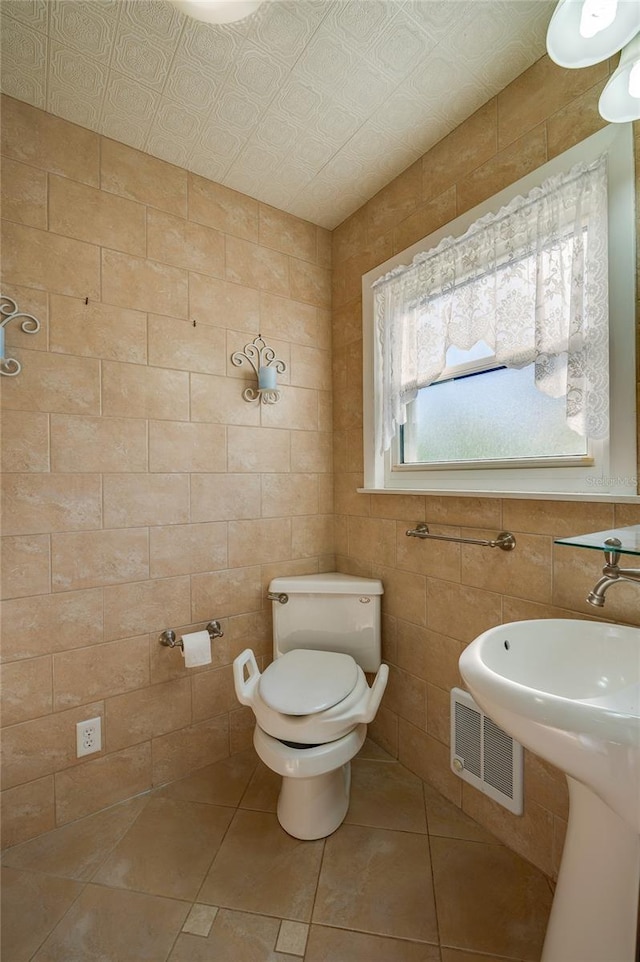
(329, 612)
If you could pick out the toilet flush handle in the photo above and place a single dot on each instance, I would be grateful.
(280, 596)
(376, 692)
(245, 687)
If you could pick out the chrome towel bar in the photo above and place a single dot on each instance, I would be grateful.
(505, 539)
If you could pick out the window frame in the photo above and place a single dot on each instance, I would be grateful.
(610, 471)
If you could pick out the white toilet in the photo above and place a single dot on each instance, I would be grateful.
(312, 703)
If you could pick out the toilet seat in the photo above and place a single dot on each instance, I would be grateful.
(304, 681)
(316, 727)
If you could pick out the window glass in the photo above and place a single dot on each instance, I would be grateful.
(489, 415)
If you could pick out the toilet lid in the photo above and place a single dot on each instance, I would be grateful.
(303, 681)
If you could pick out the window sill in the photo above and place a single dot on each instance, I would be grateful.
(509, 495)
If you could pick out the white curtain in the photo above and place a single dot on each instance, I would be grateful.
(529, 280)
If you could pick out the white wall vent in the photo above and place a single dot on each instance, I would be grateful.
(483, 754)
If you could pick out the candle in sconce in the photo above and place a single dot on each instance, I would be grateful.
(267, 378)
(1, 343)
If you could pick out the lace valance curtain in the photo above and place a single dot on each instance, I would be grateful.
(530, 281)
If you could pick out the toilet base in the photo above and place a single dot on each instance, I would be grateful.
(314, 807)
(314, 797)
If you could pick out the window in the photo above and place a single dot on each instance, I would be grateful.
(488, 346)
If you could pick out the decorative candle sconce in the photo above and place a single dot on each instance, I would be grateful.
(266, 366)
(9, 366)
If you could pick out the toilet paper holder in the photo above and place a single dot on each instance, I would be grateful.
(169, 640)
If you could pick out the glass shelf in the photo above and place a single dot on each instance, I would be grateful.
(630, 538)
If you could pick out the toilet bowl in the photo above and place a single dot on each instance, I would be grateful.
(314, 795)
(312, 704)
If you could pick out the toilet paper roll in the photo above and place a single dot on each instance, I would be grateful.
(196, 649)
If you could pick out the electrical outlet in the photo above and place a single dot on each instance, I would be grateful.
(88, 736)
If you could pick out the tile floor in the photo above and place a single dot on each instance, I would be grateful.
(200, 871)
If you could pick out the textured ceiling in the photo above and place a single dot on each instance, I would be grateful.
(308, 105)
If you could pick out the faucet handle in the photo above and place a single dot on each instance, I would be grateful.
(613, 553)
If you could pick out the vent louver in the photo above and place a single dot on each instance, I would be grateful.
(483, 754)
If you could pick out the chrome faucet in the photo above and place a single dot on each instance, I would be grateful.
(611, 573)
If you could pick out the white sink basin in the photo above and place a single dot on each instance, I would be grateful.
(569, 690)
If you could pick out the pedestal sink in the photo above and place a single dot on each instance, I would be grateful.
(569, 691)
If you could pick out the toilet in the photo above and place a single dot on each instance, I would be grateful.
(312, 703)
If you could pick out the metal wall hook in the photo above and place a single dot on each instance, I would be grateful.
(169, 640)
(504, 540)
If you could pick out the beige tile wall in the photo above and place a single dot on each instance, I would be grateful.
(141, 492)
(439, 597)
